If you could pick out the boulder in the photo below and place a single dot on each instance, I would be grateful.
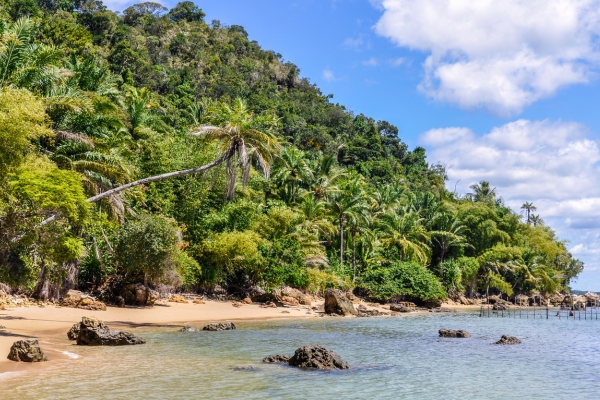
(296, 294)
(433, 303)
(74, 331)
(350, 295)
(94, 332)
(399, 308)
(289, 301)
(219, 327)
(276, 359)
(500, 306)
(268, 304)
(247, 300)
(336, 302)
(178, 299)
(522, 300)
(317, 357)
(189, 329)
(27, 350)
(198, 301)
(370, 313)
(77, 299)
(136, 294)
(508, 340)
(449, 333)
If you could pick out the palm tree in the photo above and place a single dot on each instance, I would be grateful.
(349, 204)
(291, 168)
(324, 177)
(388, 197)
(482, 192)
(448, 234)
(358, 227)
(528, 207)
(537, 220)
(405, 232)
(141, 106)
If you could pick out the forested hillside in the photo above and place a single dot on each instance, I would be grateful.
(295, 190)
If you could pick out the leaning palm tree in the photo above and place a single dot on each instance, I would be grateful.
(528, 207)
(404, 232)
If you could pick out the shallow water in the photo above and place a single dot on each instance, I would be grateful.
(391, 358)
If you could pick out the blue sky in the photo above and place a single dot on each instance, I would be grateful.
(503, 91)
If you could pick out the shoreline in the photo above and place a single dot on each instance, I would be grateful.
(50, 324)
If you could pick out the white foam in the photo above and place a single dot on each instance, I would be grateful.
(7, 374)
(72, 355)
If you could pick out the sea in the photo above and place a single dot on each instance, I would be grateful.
(393, 357)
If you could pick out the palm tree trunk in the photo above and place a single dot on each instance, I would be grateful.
(353, 258)
(399, 253)
(228, 154)
(293, 192)
(443, 249)
(341, 240)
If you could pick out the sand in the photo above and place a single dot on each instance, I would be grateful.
(50, 324)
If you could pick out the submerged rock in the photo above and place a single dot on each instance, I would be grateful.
(336, 302)
(317, 357)
(189, 329)
(276, 359)
(94, 332)
(449, 333)
(508, 340)
(219, 327)
(27, 350)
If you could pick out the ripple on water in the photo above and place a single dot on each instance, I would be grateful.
(390, 358)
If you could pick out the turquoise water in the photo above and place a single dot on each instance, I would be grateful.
(391, 358)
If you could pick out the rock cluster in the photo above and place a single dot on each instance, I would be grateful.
(77, 299)
(336, 302)
(13, 301)
(198, 301)
(176, 298)
(189, 329)
(399, 308)
(27, 350)
(508, 340)
(317, 357)
(296, 295)
(219, 327)
(136, 294)
(362, 311)
(93, 332)
(449, 333)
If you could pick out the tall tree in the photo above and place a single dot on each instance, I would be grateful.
(291, 169)
(404, 232)
(482, 192)
(528, 208)
(448, 234)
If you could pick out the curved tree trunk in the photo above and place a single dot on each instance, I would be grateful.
(341, 240)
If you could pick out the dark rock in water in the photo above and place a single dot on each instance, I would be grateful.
(219, 327)
(399, 308)
(189, 329)
(441, 309)
(74, 331)
(94, 332)
(276, 359)
(370, 313)
(433, 303)
(336, 302)
(27, 351)
(249, 368)
(508, 340)
(449, 333)
(500, 306)
(317, 357)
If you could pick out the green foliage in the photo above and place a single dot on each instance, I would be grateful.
(283, 264)
(405, 278)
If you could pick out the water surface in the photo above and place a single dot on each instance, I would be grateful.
(391, 358)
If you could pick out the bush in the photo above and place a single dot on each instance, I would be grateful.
(283, 264)
(318, 281)
(404, 278)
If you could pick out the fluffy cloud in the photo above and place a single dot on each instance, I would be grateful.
(499, 55)
(328, 75)
(554, 165)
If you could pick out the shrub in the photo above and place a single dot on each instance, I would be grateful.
(283, 264)
(404, 278)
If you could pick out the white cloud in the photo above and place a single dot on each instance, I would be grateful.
(554, 165)
(117, 5)
(396, 62)
(371, 62)
(354, 43)
(499, 55)
(328, 75)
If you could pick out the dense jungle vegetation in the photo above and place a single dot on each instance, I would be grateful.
(273, 183)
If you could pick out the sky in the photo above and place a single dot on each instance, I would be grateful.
(505, 91)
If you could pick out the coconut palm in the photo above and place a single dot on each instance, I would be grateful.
(528, 207)
(324, 177)
(448, 234)
(291, 169)
(142, 108)
(482, 192)
(405, 232)
(537, 220)
(388, 197)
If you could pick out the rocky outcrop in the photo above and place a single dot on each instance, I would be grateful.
(74, 331)
(276, 359)
(433, 303)
(336, 302)
(219, 327)
(317, 357)
(77, 299)
(449, 333)
(399, 308)
(508, 340)
(178, 299)
(247, 300)
(522, 300)
(289, 301)
(93, 332)
(136, 294)
(198, 301)
(302, 298)
(27, 351)
(189, 329)
(268, 304)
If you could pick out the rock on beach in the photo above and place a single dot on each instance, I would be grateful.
(219, 327)
(27, 350)
(336, 302)
(93, 332)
